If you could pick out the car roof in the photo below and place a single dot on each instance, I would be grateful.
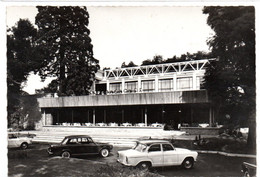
(77, 136)
(148, 142)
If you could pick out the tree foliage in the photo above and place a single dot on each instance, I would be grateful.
(130, 64)
(231, 79)
(66, 48)
(21, 53)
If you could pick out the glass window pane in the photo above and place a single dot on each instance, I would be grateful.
(148, 86)
(184, 83)
(131, 86)
(165, 84)
(155, 147)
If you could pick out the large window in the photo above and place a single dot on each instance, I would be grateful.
(165, 84)
(184, 83)
(115, 86)
(131, 86)
(148, 86)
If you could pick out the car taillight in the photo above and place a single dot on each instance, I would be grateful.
(126, 159)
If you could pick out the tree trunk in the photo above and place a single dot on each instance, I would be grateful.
(251, 139)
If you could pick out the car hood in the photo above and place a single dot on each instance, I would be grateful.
(130, 152)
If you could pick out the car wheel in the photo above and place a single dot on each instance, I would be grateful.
(24, 145)
(104, 152)
(188, 163)
(246, 174)
(144, 165)
(65, 154)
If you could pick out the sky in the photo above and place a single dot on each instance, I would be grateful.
(124, 34)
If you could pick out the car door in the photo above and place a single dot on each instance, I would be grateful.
(74, 146)
(88, 146)
(13, 141)
(170, 155)
(155, 154)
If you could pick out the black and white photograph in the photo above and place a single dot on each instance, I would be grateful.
(130, 90)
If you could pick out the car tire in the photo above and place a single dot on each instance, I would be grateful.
(188, 163)
(24, 145)
(104, 152)
(246, 174)
(144, 166)
(65, 154)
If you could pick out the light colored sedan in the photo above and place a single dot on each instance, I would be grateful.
(14, 141)
(157, 153)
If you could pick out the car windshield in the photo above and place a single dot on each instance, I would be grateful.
(140, 147)
(64, 141)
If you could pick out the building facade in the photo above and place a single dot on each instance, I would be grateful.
(144, 96)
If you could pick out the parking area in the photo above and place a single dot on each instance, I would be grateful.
(35, 162)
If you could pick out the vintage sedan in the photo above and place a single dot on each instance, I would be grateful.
(157, 153)
(248, 169)
(79, 145)
(15, 140)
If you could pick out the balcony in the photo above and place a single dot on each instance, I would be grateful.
(174, 97)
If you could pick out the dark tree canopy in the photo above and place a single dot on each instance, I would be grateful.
(66, 48)
(231, 79)
(20, 62)
(130, 64)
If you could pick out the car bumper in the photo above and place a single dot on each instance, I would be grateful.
(123, 163)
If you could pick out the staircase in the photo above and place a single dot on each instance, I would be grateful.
(116, 137)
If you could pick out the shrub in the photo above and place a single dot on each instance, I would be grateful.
(113, 170)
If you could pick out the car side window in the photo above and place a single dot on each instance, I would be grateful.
(72, 141)
(155, 147)
(85, 141)
(12, 136)
(167, 147)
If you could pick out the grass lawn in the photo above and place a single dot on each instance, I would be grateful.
(35, 162)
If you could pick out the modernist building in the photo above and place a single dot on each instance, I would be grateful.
(137, 96)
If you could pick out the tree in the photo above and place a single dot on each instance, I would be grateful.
(20, 62)
(130, 64)
(66, 48)
(231, 79)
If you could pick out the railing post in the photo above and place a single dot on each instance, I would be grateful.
(145, 116)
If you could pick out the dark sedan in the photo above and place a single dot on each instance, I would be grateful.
(79, 145)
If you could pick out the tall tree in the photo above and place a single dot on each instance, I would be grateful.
(20, 62)
(66, 48)
(231, 79)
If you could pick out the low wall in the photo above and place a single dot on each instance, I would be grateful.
(141, 131)
(201, 131)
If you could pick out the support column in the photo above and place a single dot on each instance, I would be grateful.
(194, 81)
(72, 116)
(58, 117)
(108, 89)
(44, 118)
(145, 116)
(105, 116)
(123, 113)
(94, 116)
(191, 115)
(174, 82)
(210, 116)
(156, 84)
(139, 85)
(123, 85)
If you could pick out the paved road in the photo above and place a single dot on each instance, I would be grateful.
(207, 165)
